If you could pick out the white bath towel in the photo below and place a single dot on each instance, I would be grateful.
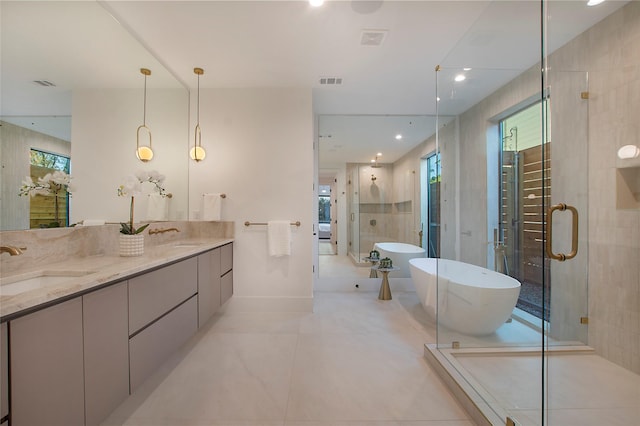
(211, 206)
(279, 237)
(157, 208)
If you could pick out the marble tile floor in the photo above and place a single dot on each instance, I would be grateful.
(341, 266)
(583, 389)
(355, 361)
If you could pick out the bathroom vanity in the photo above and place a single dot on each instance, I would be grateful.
(74, 351)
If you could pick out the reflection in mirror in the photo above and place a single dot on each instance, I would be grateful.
(371, 165)
(81, 97)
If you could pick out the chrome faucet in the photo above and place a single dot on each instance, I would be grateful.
(162, 231)
(13, 251)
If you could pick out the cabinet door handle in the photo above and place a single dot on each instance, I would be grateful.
(574, 232)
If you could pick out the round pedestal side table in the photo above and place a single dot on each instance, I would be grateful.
(385, 290)
(374, 262)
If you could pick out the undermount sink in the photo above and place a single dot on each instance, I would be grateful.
(39, 279)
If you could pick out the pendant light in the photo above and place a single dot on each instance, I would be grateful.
(144, 152)
(198, 153)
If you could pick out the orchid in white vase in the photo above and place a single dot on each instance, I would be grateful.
(132, 187)
(57, 184)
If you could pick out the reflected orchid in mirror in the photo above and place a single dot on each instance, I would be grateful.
(57, 184)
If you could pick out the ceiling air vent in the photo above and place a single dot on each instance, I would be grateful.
(44, 83)
(332, 81)
(373, 37)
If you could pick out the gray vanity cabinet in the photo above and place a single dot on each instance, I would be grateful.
(106, 351)
(47, 378)
(208, 285)
(163, 315)
(4, 373)
(226, 279)
(155, 293)
(215, 281)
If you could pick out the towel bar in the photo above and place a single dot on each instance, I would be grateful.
(221, 195)
(247, 223)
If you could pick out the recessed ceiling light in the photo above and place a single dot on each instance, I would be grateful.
(316, 3)
(460, 77)
(398, 136)
(379, 154)
(437, 98)
(466, 69)
(594, 2)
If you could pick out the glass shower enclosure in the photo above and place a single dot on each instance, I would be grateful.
(542, 201)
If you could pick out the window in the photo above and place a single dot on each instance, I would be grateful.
(42, 208)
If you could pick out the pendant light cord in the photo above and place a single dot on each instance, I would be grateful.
(144, 108)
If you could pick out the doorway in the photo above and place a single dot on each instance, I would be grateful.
(327, 220)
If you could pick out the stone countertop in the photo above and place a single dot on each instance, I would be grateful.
(95, 271)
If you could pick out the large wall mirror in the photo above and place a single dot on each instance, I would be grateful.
(72, 86)
(373, 174)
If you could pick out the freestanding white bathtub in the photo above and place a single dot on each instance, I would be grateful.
(470, 299)
(399, 253)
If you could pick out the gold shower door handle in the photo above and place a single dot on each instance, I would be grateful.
(574, 232)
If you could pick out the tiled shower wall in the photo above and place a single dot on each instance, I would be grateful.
(613, 62)
(608, 53)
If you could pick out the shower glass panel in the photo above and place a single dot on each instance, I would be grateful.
(353, 223)
(476, 297)
(592, 83)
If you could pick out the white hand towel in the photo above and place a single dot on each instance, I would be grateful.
(211, 206)
(93, 222)
(157, 207)
(279, 237)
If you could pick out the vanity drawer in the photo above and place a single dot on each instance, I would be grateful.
(153, 294)
(150, 348)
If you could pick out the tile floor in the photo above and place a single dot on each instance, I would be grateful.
(583, 389)
(358, 361)
(355, 361)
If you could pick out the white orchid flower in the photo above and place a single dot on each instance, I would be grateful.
(60, 177)
(55, 183)
(142, 176)
(131, 187)
(45, 181)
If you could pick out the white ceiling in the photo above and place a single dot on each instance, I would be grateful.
(84, 44)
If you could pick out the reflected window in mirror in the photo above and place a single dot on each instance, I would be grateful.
(433, 205)
(48, 208)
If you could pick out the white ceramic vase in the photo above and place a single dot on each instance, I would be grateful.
(131, 245)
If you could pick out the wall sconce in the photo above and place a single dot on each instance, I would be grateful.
(144, 152)
(198, 153)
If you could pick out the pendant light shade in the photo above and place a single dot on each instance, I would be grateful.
(144, 152)
(197, 153)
